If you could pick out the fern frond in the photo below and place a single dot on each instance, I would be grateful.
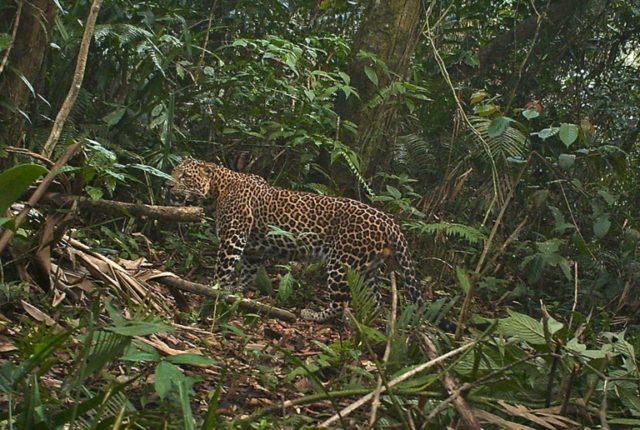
(465, 232)
(363, 299)
(124, 33)
(512, 143)
(416, 152)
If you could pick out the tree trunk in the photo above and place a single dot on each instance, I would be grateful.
(27, 56)
(390, 30)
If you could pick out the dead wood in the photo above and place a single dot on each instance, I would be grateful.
(174, 213)
(171, 280)
(452, 386)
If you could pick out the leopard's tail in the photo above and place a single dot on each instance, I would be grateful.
(406, 269)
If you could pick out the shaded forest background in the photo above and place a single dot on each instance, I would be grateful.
(502, 134)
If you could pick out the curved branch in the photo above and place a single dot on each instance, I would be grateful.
(76, 83)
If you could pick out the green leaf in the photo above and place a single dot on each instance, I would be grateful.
(166, 374)
(140, 328)
(463, 279)
(5, 41)
(546, 133)
(8, 222)
(485, 110)
(394, 192)
(522, 327)
(601, 225)
(15, 181)
(630, 422)
(345, 78)
(114, 117)
(141, 356)
(94, 193)
(629, 399)
(568, 133)
(575, 346)
(183, 391)
(478, 96)
(285, 288)
(554, 325)
(152, 170)
(565, 161)
(311, 95)
(191, 359)
(371, 74)
(498, 126)
(530, 114)
(607, 197)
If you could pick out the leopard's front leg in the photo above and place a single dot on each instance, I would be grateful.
(233, 234)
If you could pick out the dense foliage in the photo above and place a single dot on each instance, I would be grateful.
(504, 139)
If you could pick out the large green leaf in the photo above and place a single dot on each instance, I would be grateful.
(498, 126)
(522, 327)
(15, 181)
(601, 225)
(568, 133)
(191, 359)
(140, 328)
(166, 375)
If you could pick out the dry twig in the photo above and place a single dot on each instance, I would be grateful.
(452, 387)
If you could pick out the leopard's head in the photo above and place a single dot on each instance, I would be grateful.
(191, 181)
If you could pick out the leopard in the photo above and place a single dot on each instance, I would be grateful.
(347, 234)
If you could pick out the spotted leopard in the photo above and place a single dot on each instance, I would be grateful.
(345, 233)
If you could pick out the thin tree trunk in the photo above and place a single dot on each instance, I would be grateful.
(390, 30)
(24, 63)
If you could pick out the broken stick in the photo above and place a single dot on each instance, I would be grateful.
(174, 213)
(452, 387)
(174, 281)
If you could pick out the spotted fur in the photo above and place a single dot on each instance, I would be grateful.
(346, 233)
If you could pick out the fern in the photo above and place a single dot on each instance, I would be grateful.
(465, 232)
(511, 143)
(363, 299)
(124, 33)
(416, 152)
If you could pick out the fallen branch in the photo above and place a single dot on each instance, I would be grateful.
(171, 280)
(321, 397)
(174, 213)
(452, 387)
